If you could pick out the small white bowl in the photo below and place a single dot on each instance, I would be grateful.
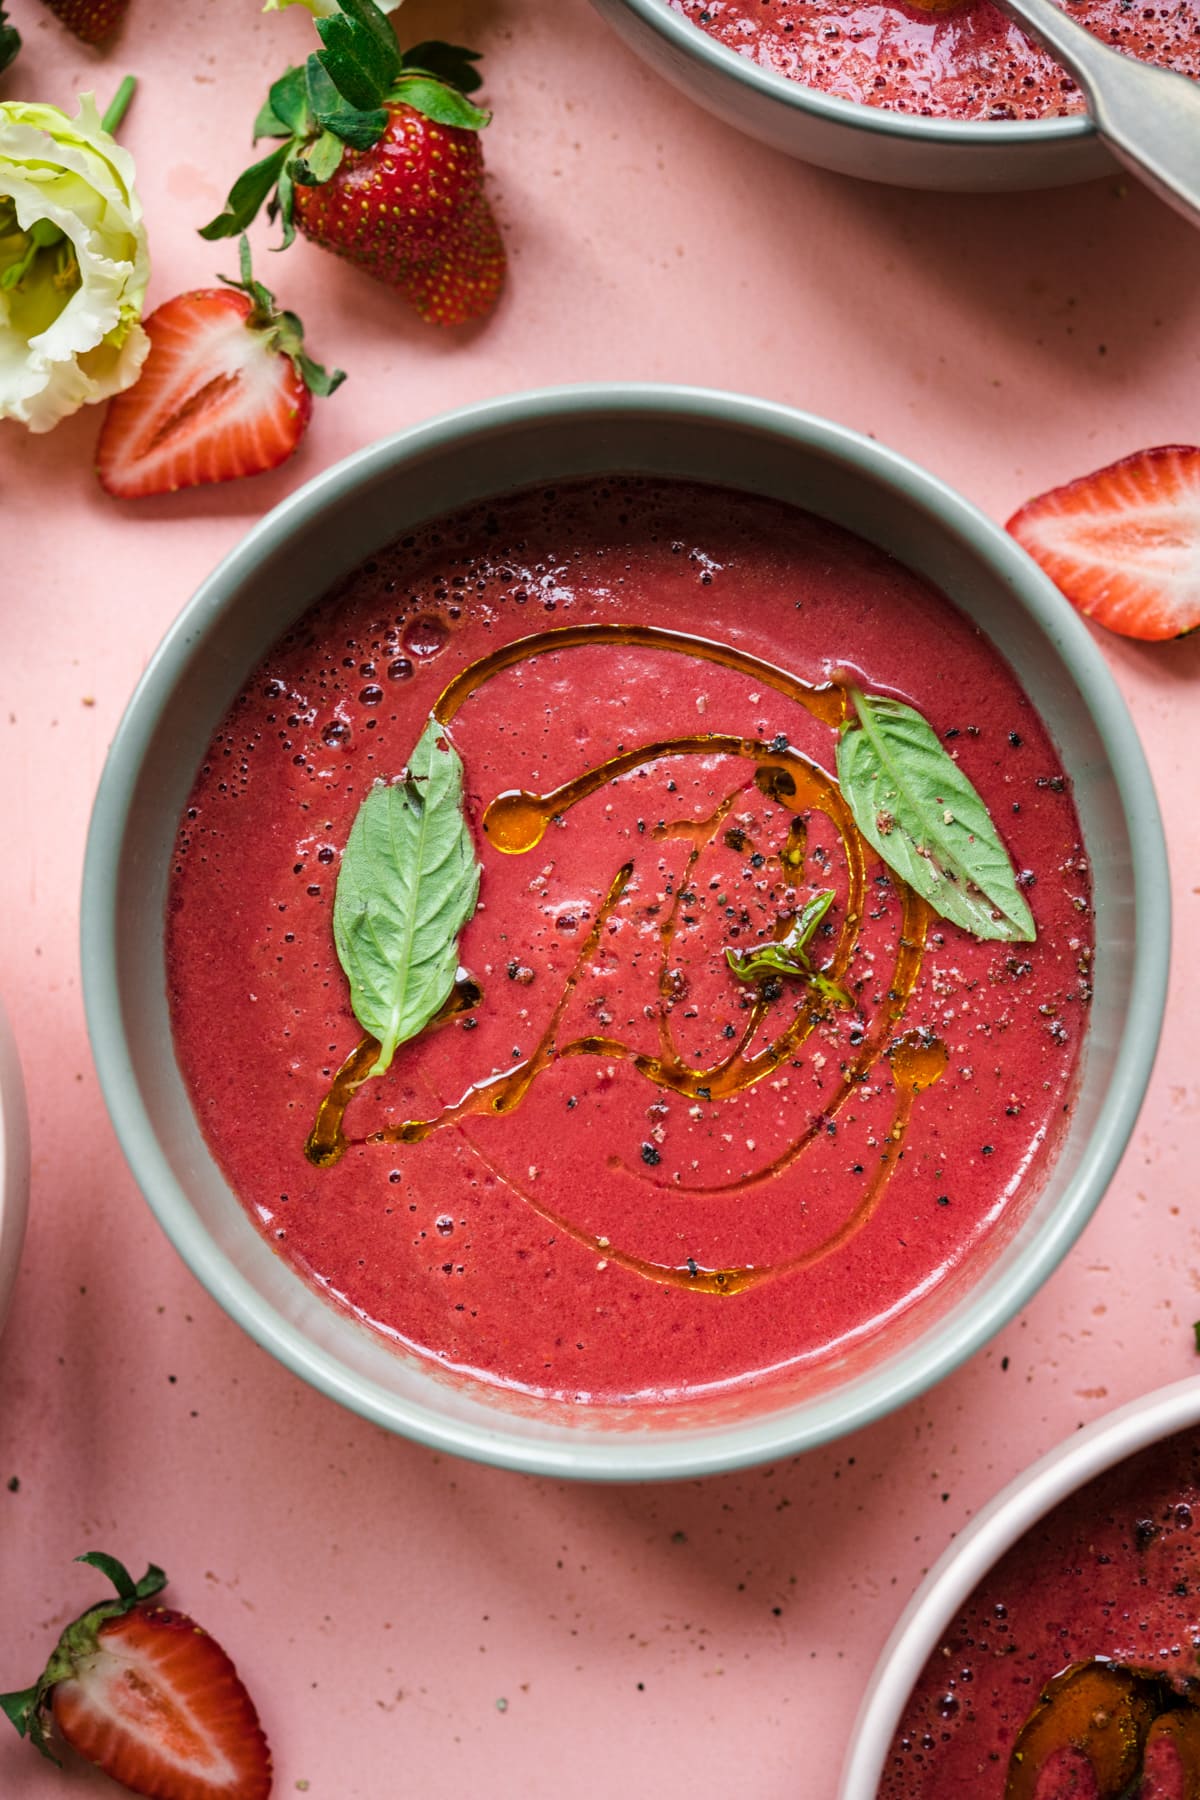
(993, 1532)
(14, 1162)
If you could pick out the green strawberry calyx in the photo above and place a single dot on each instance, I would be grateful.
(282, 330)
(338, 100)
(28, 1709)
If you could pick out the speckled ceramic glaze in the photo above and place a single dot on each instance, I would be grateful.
(901, 149)
(290, 559)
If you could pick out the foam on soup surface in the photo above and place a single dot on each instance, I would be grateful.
(631, 1158)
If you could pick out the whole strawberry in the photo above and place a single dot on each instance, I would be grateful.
(381, 163)
(448, 259)
(91, 20)
(146, 1695)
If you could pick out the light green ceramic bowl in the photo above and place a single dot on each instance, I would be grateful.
(898, 148)
(287, 561)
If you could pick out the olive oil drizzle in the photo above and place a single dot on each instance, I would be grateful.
(1108, 1713)
(514, 824)
(826, 701)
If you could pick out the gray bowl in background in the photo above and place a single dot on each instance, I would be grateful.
(287, 561)
(902, 149)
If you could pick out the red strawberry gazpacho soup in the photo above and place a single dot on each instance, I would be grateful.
(1070, 1673)
(944, 59)
(631, 940)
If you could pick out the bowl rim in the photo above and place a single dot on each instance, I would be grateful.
(993, 1531)
(630, 1455)
(689, 41)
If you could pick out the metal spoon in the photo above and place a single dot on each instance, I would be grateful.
(1148, 117)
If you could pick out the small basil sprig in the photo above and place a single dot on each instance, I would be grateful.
(913, 803)
(408, 884)
(787, 956)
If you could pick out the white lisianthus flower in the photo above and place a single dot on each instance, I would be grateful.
(73, 264)
(324, 9)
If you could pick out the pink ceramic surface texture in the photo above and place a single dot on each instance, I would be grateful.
(412, 1624)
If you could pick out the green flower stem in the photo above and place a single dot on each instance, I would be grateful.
(119, 105)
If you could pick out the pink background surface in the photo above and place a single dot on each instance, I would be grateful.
(382, 1602)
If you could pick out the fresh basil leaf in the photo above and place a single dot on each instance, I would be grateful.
(407, 885)
(449, 62)
(913, 803)
(787, 956)
(247, 194)
(443, 104)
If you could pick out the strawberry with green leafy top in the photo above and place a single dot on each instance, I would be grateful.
(146, 1695)
(91, 20)
(380, 161)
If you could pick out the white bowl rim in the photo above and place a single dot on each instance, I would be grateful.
(993, 1531)
(690, 41)
(630, 1455)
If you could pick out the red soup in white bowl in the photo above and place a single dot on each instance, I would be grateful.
(520, 978)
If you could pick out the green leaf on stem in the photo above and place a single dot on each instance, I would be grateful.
(913, 803)
(787, 957)
(438, 101)
(452, 63)
(285, 111)
(320, 161)
(247, 194)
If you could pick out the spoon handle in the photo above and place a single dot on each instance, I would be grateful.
(1149, 117)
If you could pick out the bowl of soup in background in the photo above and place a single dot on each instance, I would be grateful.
(1067, 1544)
(310, 543)
(903, 149)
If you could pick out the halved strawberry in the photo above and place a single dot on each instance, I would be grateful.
(146, 1695)
(225, 391)
(1123, 543)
